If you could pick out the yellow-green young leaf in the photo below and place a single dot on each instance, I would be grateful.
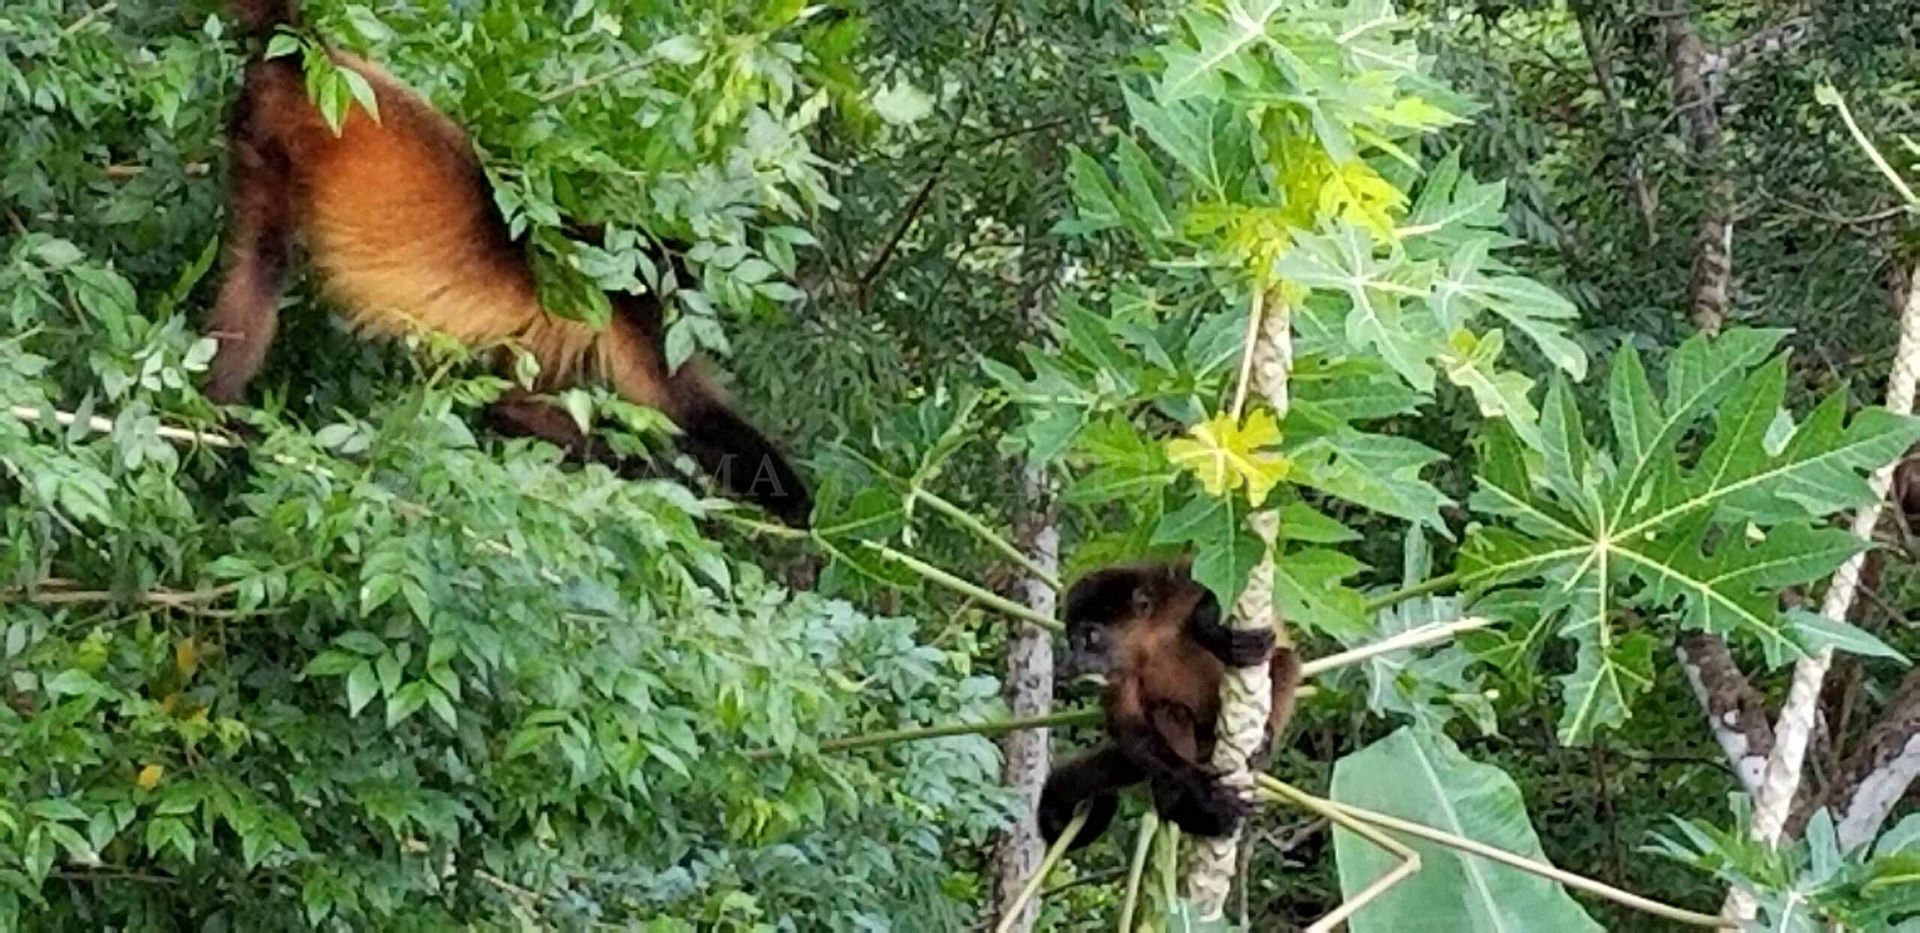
(1225, 456)
(1357, 194)
(1469, 362)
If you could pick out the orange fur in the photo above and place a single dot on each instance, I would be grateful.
(400, 223)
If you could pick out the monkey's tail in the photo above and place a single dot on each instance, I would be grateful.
(261, 17)
(742, 461)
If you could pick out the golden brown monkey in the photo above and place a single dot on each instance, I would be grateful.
(401, 227)
(1158, 638)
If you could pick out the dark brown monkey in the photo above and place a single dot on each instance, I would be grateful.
(1159, 639)
(401, 227)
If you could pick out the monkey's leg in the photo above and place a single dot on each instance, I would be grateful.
(260, 229)
(1186, 792)
(1096, 777)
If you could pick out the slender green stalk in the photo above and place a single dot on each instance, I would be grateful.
(1521, 862)
(967, 520)
(1078, 717)
(1401, 595)
(1411, 638)
(761, 528)
(1137, 868)
(1170, 865)
(1409, 860)
(963, 587)
(1054, 853)
(1879, 161)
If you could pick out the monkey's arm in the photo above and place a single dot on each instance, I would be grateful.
(1283, 670)
(1234, 647)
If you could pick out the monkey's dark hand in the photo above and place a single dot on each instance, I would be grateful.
(1248, 647)
(1207, 807)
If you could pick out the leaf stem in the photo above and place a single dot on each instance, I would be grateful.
(1879, 161)
(1137, 868)
(1078, 717)
(1054, 854)
(964, 587)
(1256, 307)
(967, 520)
(1509, 859)
(1409, 860)
(1411, 638)
(1401, 595)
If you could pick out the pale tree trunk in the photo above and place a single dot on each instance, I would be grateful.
(1736, 713)
(1709, 285)
(1026, 753)
(1246, 693)
(1881, 769)
(1796, 722)
(1029, 692)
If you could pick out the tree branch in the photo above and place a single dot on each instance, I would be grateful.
(1708, 284)
(1797, 715)
(1600, 57)
(1881, 768)
(1736, 713)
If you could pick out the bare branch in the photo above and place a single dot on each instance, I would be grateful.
(1736, 713)
(1708, 286)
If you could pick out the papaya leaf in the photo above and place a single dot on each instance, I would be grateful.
(1704, 541)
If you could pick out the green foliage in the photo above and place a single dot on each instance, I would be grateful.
(1285, 129)
(1419, 775)
(373, 670)
(1811, 884)
(1707, 537)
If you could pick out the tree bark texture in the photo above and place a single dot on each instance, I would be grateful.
(1708, 286)
(1029, 691)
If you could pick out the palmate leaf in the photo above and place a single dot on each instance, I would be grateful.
(1709, 541)
(1377, 289)
(1469, 363)
(1222, 40)
(1420, 775)
(1376, 471)
(1467, 289)
(1226, 455)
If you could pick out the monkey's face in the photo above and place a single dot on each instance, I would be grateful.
(1090, 648)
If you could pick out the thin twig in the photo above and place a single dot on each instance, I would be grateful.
(100, 425)
(588, 81)
(1511, 860)
(1409, 859)
(919, 202)
(1411, 638)
(963, 587)
(90, 16)
(1054, 853)
(967, 520)
(1086, 717)
(123, 172)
